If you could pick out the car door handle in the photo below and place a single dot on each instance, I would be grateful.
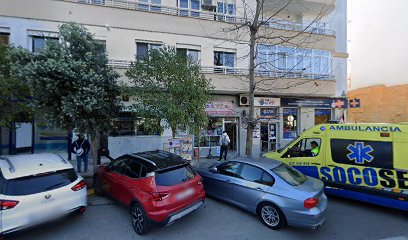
(260, 189)
(227, 181)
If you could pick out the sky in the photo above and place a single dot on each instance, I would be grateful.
(377, 42)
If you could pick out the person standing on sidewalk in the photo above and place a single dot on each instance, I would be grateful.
(224, 142)
(81, 148)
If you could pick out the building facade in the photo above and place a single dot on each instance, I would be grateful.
(301, 82)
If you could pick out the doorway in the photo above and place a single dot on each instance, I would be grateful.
(264, 137)
(231, 129)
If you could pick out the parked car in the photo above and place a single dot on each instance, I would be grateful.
(37, 188)
(158, 187)
(274, 191)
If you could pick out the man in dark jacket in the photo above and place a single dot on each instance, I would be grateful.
(81, 148)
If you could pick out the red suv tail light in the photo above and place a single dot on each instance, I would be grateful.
(159, 196)
(311, 202)
(7, 204)
(79, 186)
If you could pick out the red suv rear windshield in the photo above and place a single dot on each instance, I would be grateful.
(174, 176)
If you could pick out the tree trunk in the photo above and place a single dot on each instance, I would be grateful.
(94, 149)
(252, 44)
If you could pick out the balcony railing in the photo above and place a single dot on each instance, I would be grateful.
(207, 15)
(291, 26)
(158, 8)
(124, 64)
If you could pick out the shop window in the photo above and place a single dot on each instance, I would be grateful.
(4, 39)
(290, 121)
(38, 43)
(362, 153)
(322, 116)
(307, 147)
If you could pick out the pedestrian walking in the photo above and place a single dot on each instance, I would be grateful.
(81, 149)
(224, 142)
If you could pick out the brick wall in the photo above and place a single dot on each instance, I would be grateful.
(380, 104)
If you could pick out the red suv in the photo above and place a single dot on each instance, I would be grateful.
(158, 187)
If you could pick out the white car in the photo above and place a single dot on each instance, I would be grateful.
(37, 188)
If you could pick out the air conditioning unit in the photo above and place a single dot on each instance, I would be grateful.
(243, 100)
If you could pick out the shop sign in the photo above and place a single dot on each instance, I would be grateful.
(269, 112)
(220, 109)
(267, 102)
(314, 102)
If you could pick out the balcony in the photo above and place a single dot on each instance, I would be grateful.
(227, 80)
(200, 14)
(124, 64)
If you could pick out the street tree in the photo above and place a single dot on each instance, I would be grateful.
(169, 85)
(15, 94)
(258, 29)
(71, 83)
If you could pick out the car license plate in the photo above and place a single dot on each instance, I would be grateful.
(185, 194)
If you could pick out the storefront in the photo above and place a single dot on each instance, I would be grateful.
(300, 114)
(222, 116)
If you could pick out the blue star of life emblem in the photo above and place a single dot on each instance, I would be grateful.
(360, 153)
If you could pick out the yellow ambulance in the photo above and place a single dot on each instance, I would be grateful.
(366, 162)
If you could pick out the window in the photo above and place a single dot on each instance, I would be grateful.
(194, 55)
(142, 49)
(40, 183)
(267, 179)
(251, 173)
(4, 39)
(362, 153)
(103, 43)
(190, 6)
(226, 60)
(38, 43)
(289, 174)
(307, 147)
(175, 176)
(226, 9)
(135, 169)
(155, 8)
(255, 174)
(229, 169)
(289, 123)
(271, 58)
(119, 166)
(322, 116)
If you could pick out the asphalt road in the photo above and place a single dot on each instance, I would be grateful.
(345, 219)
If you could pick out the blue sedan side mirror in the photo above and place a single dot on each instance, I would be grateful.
(213, 169)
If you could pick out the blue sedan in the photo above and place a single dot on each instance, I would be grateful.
(276, 192)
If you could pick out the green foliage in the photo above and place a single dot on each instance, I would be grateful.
(14, 93)
(71, 83)
(170, 86)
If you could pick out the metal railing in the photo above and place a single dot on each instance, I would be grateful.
(242, 71)
(291, 26)
(158, 8)
(207, 15)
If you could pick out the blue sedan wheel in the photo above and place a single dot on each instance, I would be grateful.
(271, 216)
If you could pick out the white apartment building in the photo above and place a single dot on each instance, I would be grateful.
(308, 79)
